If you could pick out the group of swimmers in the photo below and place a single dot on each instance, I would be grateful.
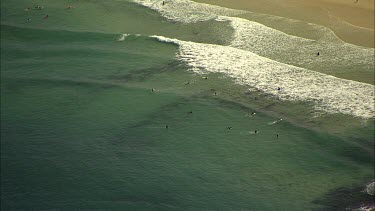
(229, 127)
(40, 8)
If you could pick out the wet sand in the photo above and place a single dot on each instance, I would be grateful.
(352, 22)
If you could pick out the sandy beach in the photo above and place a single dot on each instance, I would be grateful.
(352, 21)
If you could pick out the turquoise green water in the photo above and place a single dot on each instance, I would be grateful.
(82, 130)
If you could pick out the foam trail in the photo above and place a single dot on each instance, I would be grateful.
(122, 37)
(328, 93)
(268, 42)
(187, 11)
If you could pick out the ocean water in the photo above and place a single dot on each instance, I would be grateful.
(136, 105)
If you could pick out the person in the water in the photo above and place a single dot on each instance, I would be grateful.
(45, 17)
(205, 77)
(163, 3)
(166, 126)
(229, 128)
(152, 90)
(318, 54)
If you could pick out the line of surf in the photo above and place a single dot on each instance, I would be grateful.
(285, 82)
(268, 42)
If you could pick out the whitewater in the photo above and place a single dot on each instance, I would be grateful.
(245, 61)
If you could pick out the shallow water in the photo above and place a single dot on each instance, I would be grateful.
(81, 128)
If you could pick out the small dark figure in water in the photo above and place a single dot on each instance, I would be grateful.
(229, 128)
(29, 19)
(187, 83)
(163, 3)
(190, 112)
(256, 132)
(166, 126)
(278, 88)
(277, 135)
(45, 17)
(38, 7)
(152, 90)
(205, 77)
(318, 54)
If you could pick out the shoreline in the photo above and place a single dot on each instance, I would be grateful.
(356, 28)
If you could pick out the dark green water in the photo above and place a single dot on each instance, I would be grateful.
(82, 130)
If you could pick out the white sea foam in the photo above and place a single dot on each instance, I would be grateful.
(187, 11)
(122, 37)
(266, 41)
(328, 93)
(244, 60)
(271, 43)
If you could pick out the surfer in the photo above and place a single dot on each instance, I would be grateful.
(69, 7)
(318, 54)
(190, 112)
(163, 3)
(38, 7)
(29, 19)
(278, 88)
(45, 17)
(215, 93)
(256, 132)
(229, 128)
(152, 90)
(205, 77)
(166, 126)
(252, 114)
(277, 135)
(187, 83)
(27, 9)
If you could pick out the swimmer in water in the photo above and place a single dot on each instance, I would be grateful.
(166, 126)
(163, 3)
(256, 132)
(69, 7)
(45, 17)
(190, 112)
(215, 93)
(229, 128)
(278, 88)
(277, 135)
(187, 83)
(318, 54)
(205, 77)
(27, 9)
(252, 114)
(152, 90)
